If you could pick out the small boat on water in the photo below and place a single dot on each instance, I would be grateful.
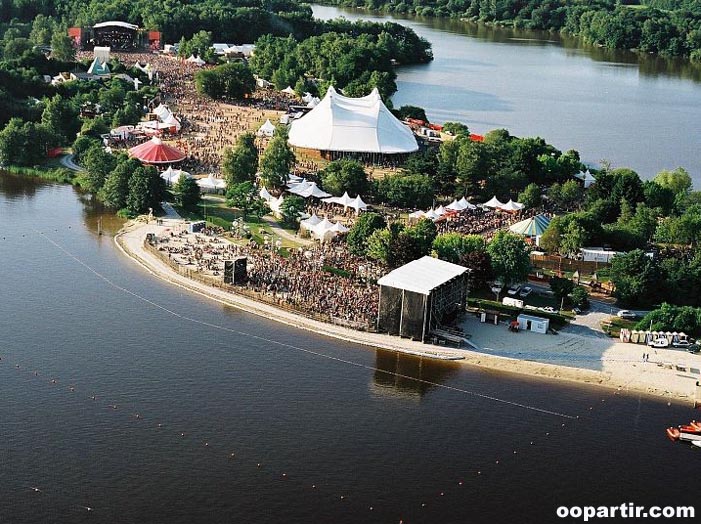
(686, 433)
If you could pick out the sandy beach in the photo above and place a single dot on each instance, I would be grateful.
(578, 354)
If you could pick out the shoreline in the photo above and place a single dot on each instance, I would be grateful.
(130, 239)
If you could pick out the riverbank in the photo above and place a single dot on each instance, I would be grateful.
(619, 372)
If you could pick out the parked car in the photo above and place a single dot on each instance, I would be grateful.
(694, 348)
(525, 292)
(659, 343)
(682, 344)
(514, 289)
(547, 309)
(626, 313)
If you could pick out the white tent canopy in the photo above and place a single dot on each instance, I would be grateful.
(431, 214)
(263, 193)
(310, 222)
(289, 91)
(308, 189)
(171, 176)
(440, 211)
(417, 214)
(494, 202)
(196, 60)
(358, 204)
(360, 125)
(586, 177)
(512, 206)
(463, 202)
(267, 129)
(339, 228)
(275, 204)
(211, 184)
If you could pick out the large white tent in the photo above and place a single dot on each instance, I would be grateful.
(355, 125)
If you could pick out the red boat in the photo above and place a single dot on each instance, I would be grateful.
(673, 433)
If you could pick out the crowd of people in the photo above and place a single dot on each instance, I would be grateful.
(482, 221)
(325, 280)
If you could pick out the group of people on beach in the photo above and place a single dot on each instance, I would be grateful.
(326, 279)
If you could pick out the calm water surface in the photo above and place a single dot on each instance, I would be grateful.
(350, 420)
(640, 112)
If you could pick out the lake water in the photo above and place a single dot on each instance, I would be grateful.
(639, 112)
(379, 430)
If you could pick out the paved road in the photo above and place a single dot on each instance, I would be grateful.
(67, 161)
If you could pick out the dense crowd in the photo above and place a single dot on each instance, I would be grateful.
(326, 280)
(482, 221)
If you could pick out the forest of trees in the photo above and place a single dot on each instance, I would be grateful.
(668, 27)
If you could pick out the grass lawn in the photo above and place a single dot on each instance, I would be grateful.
(217, 213)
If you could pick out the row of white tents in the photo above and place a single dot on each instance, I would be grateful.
(346, 201)
(462, 205)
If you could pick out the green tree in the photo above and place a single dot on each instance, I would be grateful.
(276, 162)
(242, 196)
(510, 258)
(561, 288)
(378, 245)
(240, 163)
(95, 127)
(454, 246)
(116, 187)
(24, 143)
(580, 297)
(146, 190)
(345, 175)
(405, 190)
(97, 165)
(232, 81)
(42, 29)
(62, 47)
(572, 239)
(291, 209)
(414, 112)
(60, 118)
(678, 181)
(456, 128)
(186, 193)
(359, 233)
(531, 196)
(637, 278)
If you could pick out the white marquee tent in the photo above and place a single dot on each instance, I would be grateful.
(171, 176)
(211, 184)
(494, 203)
(267, 129)
(357, 125)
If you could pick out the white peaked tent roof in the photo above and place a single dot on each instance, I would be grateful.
(358, 204)
(417, 214)
(362, 125)
(275, 203)
(431, 214)
(512, 206)
(440, 210)
(344, 200)
(308, 189)
(171, 176)
(455, 206)
(494, 202)
(263, 193)
(292, 178)
(289, 91)
(308, 97)
(211, 183)
(267, 128)
(310, 222)
(339, 228)
(422, 275)
(463, 202)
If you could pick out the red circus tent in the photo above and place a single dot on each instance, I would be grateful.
(156, 152)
